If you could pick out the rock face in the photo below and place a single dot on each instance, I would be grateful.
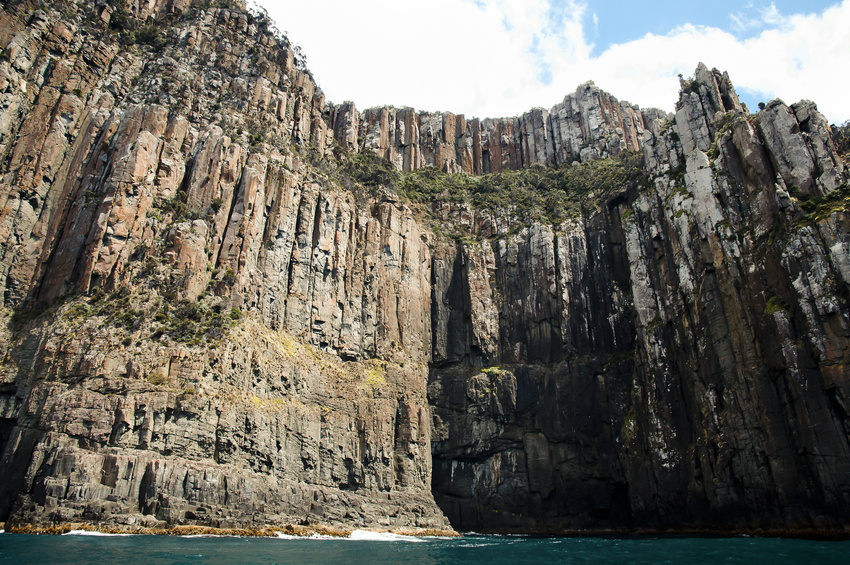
(208, 322)
(174, 174)
(588, 124)
(261, 431)
(677, 359)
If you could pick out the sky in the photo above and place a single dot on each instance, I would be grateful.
(500, 58)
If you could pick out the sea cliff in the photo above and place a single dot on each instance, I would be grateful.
(231, 303)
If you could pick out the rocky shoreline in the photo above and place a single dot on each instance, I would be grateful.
(817, 534)
(193, 530)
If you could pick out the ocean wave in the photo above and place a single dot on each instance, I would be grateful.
(93, 533)
(367, 535)
(281, 535)
(356, 535)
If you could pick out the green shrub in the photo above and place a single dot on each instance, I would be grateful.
(776, 304)
(841, 137)
(493, 371)
(157, 379)
(819, 207)
(179, 209)
(550, 194)
(151, 35)
(369, 169)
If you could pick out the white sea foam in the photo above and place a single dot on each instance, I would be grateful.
(94, 534)
(366, 535)
(312, 536)
(356, 535)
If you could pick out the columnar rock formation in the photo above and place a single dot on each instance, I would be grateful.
(208, 322)
(677, 358)
(175, 178)
(589, 124)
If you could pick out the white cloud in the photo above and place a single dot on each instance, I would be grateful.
(492, 58)
(742, 21)
(771, 15)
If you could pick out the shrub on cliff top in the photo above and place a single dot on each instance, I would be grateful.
(538, 193)
(547, 194)
(841, 136)
(369, 169)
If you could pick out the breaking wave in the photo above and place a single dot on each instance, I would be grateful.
(94, 534)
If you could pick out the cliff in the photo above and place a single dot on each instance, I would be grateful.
(157, 203)
(676, 359)
(228, 302)
(588, 124)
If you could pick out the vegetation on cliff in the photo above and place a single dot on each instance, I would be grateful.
(817, 208)
(537, 194)
(841, 136)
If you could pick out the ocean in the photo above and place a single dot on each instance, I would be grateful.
(369, 548)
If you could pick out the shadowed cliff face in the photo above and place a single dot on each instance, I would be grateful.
(676, 359)
(208, 321)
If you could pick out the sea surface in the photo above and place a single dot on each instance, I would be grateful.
(369, 548)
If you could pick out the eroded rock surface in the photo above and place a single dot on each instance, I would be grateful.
(174, 174)
(588, 124)
(676, 359)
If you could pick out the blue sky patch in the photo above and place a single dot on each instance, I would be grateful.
(608, 23)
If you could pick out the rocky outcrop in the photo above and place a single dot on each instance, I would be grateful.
(588, 124)
(262, 430)
(209, 322)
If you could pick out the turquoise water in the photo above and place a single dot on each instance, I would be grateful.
(489, 550)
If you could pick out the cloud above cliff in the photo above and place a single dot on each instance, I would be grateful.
(491, 58)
